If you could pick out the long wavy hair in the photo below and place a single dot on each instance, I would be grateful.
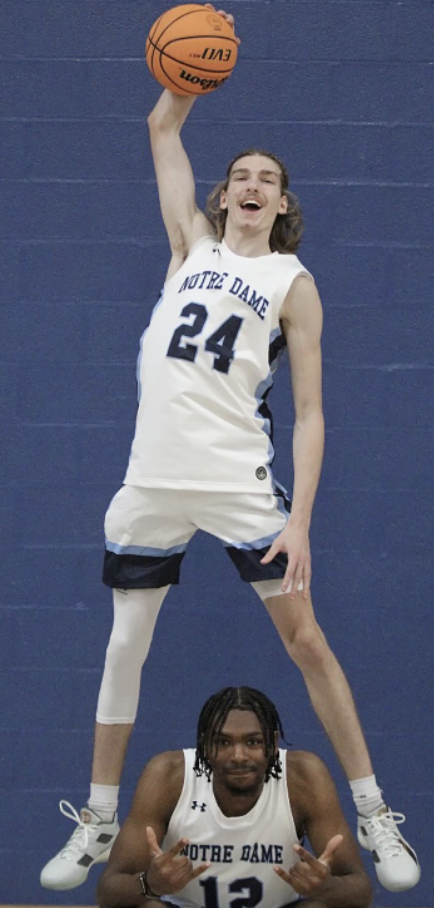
(213, 716)
(287, 229)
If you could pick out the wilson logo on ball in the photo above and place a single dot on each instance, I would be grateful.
(205, 84)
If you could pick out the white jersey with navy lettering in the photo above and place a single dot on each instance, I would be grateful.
(243, 850)
(205, 369)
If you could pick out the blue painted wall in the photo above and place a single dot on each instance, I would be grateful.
(343, 91)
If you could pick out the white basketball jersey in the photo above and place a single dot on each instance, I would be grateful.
(243, 850)
(205, 369)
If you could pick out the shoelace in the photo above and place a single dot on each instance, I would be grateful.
(383, 829)
(80, 838)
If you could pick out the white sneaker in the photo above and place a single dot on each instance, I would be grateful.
(396, 864)
(89, 844)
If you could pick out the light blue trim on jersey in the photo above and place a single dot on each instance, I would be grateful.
(140, 356)
(265, 540)
(275, 333)
(265, 385)
(280, 498)
(144, 550)
(275, 362)
(255, 544)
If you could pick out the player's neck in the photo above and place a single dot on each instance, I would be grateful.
(236, 803)
(246, 243)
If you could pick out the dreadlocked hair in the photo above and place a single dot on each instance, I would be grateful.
(287, 229)
(213, 716)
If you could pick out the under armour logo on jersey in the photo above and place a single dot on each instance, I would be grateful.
(196, 806)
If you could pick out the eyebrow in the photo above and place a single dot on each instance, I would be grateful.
(264, 172)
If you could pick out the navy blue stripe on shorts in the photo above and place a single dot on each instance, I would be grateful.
(148, 529)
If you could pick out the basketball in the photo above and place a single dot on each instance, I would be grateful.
(191, 50)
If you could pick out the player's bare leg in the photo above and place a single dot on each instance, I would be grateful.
(111, 744)
(326, 683)
(396, 862)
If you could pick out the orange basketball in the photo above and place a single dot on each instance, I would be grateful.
(191, 50)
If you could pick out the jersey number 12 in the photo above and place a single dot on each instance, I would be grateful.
(250, 889)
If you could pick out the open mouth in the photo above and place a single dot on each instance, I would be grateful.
(251, 205)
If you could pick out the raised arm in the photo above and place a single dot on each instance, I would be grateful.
(334, 874)
(184, 221)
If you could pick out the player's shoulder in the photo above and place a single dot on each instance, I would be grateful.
(303, 288)
(302, 303)
(305, 768)
(310, 785)
(165, 768)
(159, 787)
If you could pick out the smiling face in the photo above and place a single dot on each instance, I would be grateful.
(238, 756)
(254, 196)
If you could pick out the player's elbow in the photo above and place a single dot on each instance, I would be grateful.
(156, 122)
(168, 115)
(309, 416)
(365, 892)
(104, 898)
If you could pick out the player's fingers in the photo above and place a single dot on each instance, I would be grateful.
(228, 16)
(288, 585)
(309, 873)
(196, 871)
(306, 578)
(296, 580)
(299, 886)
(272, 552)
(304, 855)
(152, 841)
(284, 875)
(287, 582)
(176, 848)
(330, 848)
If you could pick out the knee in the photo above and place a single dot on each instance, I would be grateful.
(308, 648)
(125, 652)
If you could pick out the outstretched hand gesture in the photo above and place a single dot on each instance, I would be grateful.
(169, 871)
(310, 873)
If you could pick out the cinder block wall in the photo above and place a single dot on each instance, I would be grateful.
(343, 92)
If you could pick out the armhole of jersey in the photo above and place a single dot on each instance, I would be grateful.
(188, 766)
(194, 247)
(307, 274)
(302, 273)
(284, 757)
(209, 236)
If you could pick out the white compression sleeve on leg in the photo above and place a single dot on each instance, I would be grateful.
(135, 614)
